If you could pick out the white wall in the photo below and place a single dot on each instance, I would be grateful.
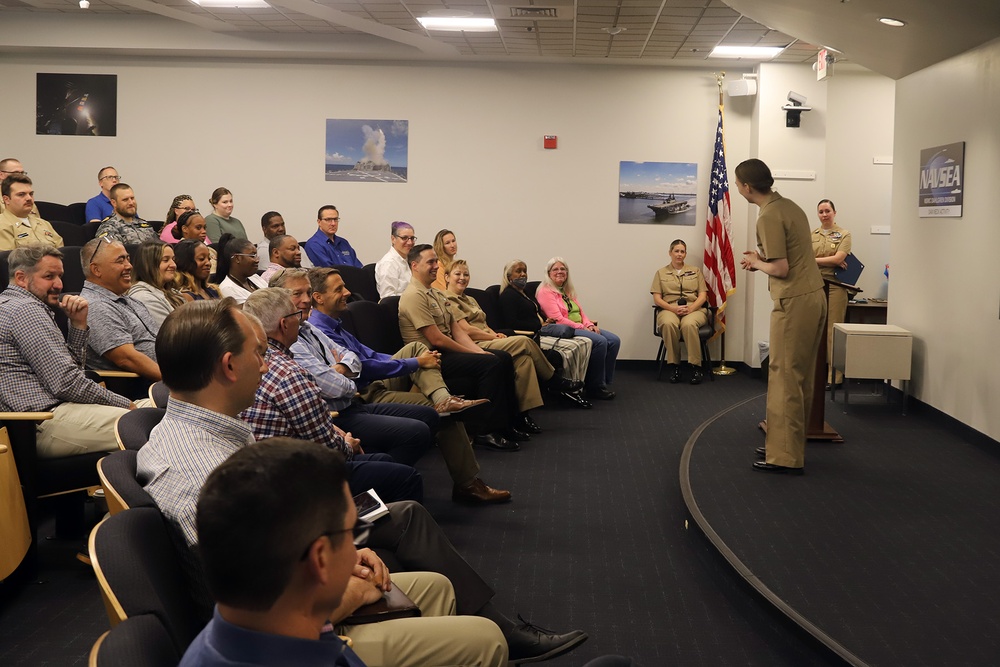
(850, 123)
(476, 164)
(944, 271)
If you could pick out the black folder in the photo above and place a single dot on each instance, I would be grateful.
(853, 271)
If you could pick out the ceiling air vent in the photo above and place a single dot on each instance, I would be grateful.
(534, 13)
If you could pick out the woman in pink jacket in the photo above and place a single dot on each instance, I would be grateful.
(557, 299)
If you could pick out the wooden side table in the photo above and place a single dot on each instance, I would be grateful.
(872, 351)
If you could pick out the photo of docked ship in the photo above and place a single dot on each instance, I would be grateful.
(657, 193)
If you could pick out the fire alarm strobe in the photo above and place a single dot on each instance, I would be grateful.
(550, 140)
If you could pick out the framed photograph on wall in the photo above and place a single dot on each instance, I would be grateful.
(76, 104)
(657, 193)
(367, 151)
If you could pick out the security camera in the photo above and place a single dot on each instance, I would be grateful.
(84, 4)
(796, 98)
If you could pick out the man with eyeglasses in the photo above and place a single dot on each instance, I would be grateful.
(12, 167)
(122, 332)
(325, 248)
(99, 206)
(283, 567)
(20, 224)
(212, 366)
(392, 272)
(289, 403)
(124, 225)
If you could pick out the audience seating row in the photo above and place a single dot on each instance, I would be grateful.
(75, 213)
(136, 564)
(138, 641)
(360, 281)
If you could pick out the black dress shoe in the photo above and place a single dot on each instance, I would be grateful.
(516, 433)
(577, 399)
(760, 466)
(675, 373)
(603, 393)
(529, 643)
(528, 425)
(761, 452)
(559, 383)
(696, 376)
(496, 442)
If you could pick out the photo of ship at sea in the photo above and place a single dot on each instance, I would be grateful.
(366, 151)
(657, 193)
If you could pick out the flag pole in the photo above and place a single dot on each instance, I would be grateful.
(722, 369)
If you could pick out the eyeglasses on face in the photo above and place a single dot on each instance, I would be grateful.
(362, 529)
(252, 256)
(111, 178)
(406, 239)
(337, 219)
(298, 314)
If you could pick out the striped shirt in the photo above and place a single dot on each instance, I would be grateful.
(183, 449)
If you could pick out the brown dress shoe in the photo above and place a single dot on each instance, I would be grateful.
(478, 493)
(454, 404)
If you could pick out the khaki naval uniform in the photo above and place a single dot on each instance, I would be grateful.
(797, 323)
(671, 284)
(529, 362)
(827, 243)
(15, 233)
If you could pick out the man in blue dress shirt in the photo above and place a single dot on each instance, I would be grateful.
(99, 206)
(325, 248)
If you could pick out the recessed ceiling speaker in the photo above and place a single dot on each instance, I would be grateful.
(741, 88)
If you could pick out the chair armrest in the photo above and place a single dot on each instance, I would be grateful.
(117, 374)
(26, 416)
(521, 332)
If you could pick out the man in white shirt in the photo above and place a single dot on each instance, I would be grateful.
(392, 272)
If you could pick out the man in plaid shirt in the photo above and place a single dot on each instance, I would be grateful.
(41, 370)
(289, 403)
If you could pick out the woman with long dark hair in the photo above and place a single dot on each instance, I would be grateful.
(194, 267)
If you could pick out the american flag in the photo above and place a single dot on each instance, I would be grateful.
(720, 267)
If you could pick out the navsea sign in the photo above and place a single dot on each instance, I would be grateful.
(942, 173)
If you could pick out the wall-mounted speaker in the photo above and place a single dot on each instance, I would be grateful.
(741, 88)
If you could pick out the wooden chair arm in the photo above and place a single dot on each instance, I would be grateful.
(26, 416)
(117, 374)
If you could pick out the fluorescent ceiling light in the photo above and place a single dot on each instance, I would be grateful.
(759, 52)
(457, 23)
(895, 23)
(242, 4)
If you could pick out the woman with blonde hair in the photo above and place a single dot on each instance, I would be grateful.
(445, 247)
(557, 298)
(531, 368)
